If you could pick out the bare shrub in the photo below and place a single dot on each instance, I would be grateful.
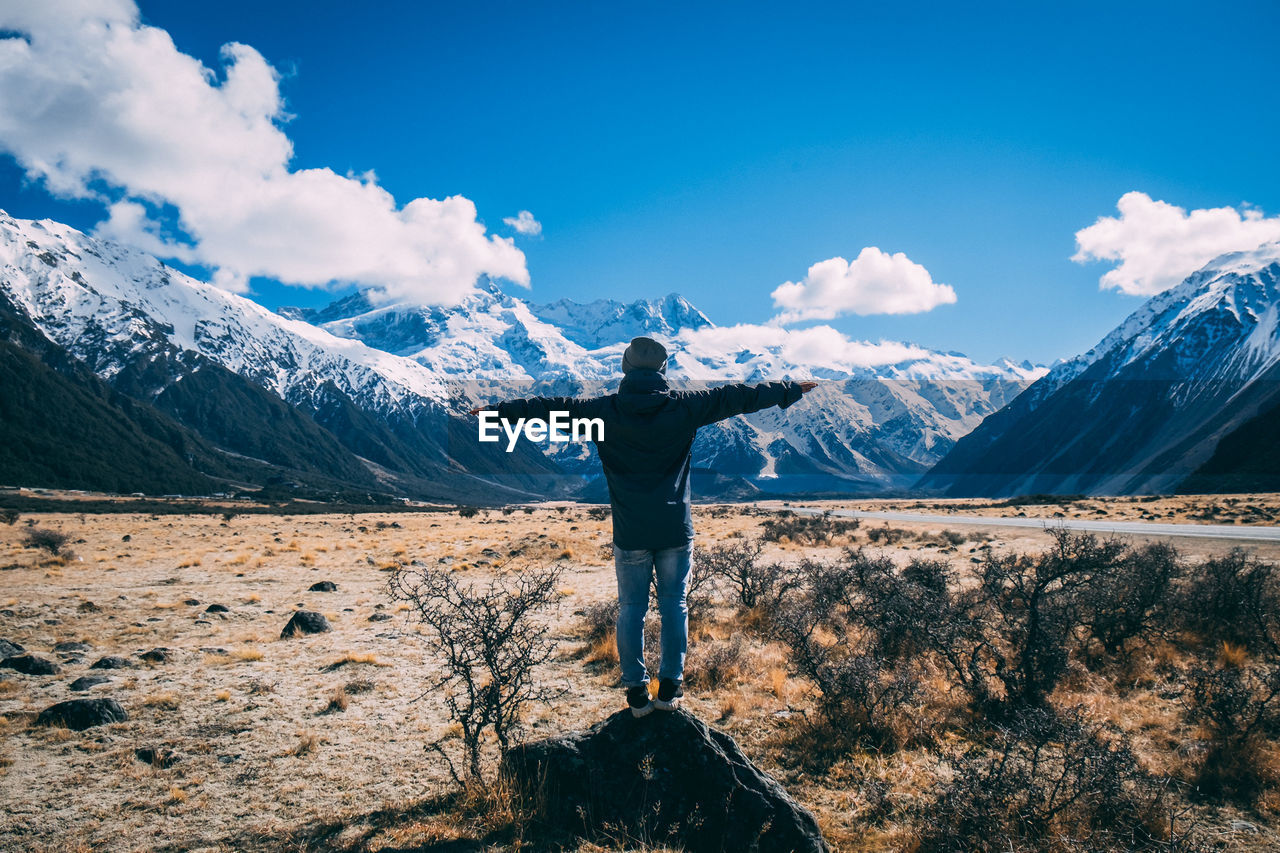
(1044, 781)
(1130, 598)
(858, 694)
(886, 535)
(467, 512)
(1029, 606)
(1238, 706)
(46, 539)
(10, 516)
(827, 631)
(904, 612)
(598, 513)
(738, 565)
(806, 529)
(490, 641)
(715, 664)
(1235, 599)
(599, 620)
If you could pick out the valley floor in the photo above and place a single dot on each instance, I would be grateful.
(273, 737)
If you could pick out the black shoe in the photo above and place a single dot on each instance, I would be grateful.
(669, 694)
(638, 700)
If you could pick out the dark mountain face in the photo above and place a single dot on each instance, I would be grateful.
(1247, 459)
(61, 426)
(1147, 407)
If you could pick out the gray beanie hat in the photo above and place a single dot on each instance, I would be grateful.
(644, 354)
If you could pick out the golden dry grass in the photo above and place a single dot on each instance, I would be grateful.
(269, 727)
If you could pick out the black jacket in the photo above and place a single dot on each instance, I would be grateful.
(648, 436)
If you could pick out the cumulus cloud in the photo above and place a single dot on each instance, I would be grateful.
(875, 282)
(524, 223)
(1159, 244)
(818, 348)
(99, 106)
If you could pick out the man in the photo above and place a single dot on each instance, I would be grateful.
(645, 452)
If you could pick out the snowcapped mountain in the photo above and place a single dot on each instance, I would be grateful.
(1149, 404)
(158, 335)
(886, 413)
(375, 392)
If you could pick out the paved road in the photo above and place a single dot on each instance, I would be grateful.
(1149, 528)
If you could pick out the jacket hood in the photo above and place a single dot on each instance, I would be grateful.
(643, 390)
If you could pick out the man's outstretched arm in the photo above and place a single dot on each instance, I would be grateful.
(541, 407)
(729, 400)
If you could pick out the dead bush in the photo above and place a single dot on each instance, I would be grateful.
(807, 529)
(738, 566)
(1129, 597)
(858, 694)
(1043, 781)
(45, 539)
(1235, 599)
(715, 664)
(886, 535)
(1238, 706)
(490, 641)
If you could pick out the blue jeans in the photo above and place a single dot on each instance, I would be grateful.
(636, 570)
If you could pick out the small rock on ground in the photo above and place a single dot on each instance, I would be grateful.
(323, 586)
(84, 682)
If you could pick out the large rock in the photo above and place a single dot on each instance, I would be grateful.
(305, 622)
(9, 649)
(667, 777)
(30, 665)
(81, 714)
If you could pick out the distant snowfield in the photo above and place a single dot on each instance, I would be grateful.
(1250, 533)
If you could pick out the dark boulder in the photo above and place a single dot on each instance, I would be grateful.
(30, 665)
(217, 608)
(666, 777)
(323, 586)
(81, 714)
(160, 655)
(381, 617)
(84, 682)
(9, 649)
(71, 646)
(111, 662)
(305, 622)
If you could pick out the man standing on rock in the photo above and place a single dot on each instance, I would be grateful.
(645, 452)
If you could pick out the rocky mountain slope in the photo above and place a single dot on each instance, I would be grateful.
(1147, 406)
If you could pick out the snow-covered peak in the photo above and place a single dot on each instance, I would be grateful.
(604, 322)
(1220, 322)
(107, 304)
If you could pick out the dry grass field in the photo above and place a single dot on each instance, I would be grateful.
(318, 742)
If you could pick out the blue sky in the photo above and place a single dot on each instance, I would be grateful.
(719, 150)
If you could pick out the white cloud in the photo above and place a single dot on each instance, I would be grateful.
(524, 223)
(875, 282)
(819, 347)
(99, 106)
(1159, 244)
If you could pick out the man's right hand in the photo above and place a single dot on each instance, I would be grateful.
(806, 387)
